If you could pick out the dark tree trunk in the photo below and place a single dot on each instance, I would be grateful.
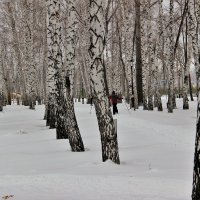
(32, 103)
(25, 100)
(196, 171)
(51, 113)
(9, 98)
(190, 88)
(185, 96)
(18, 101)
(47, 114)
(1, 101)
(192, 24)
(61, 129)
(186, 70)
(74, 135)
(52, 117)
(39, 100)
(138, 53)
(160, 108)
(171, 99)
(174, 100)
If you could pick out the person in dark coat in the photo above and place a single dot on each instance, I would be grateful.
(114, 99)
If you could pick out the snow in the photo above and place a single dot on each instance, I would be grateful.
(156, 153)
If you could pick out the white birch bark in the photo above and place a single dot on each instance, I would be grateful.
(65, 116)
(159, 50)
(1, 85)
(103, 112)
(129, 49)
(71, 42)
(144, 54)
(16, 47)
(192, 25)
(186, 73)
(115, 67)
(29, 54)
(75, 139)
(171, 59)
(151, 57)
(193, 34)
(135, 88)
(52, 31)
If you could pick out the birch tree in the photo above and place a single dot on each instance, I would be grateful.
(62, 105)
(130, 35)
(16, 47)
(139, 63)
(53, 33)
(151, 58)
(171, 58)
(1, 84)
(54, 78)
(159, 51)
(29, 54)
(71, 122)
(186, 69)
(144, 53)
(104, 116)
(192, 28)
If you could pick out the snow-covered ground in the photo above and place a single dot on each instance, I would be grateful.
(156, 153)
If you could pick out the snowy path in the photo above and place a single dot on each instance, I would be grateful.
(156, 152)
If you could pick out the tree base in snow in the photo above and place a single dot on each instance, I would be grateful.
(150, 107)
(61, 134)
(145, 106)
(196, 171)
(52, 117)
(61, 130)
(32, 106)
(160, 108)
(185, 106)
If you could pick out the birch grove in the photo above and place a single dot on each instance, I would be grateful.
(56, 52)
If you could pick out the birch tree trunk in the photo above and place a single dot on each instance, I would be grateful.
(144, 55)
(171, 59)
(44, 71)
(159, 50)
(135, 88)
(74, 135)
(52, 34)
(5, 79)
(196, 169)
(54, 78)
(151, 58)
(192, 28)
(186, 72)
(130, 44)
(157, 96)
(139, 69)
(192, 31)
(104, 116)
(29, 54)
(1, 85)
(190, 88)
(16, 48)
(71, 35)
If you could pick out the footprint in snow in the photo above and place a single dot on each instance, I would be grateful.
(21, 131)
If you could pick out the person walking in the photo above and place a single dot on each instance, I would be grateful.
(114, 99)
